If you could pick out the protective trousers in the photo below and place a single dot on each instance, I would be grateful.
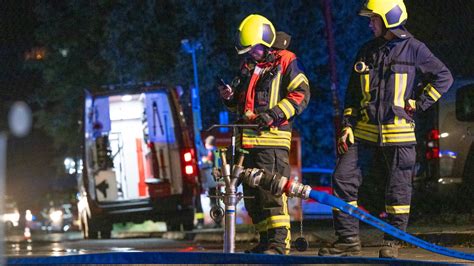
(269, 213)
(198, 211)
(392, 164)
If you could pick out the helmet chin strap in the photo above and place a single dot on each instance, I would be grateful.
(384, 30)
(388, 35)
(269, 57)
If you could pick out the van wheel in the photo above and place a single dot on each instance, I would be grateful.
(105, 234)
(187, 219)
(184, 218)
(92, 234)
(9, 226)
(170, 226)
(106, 231)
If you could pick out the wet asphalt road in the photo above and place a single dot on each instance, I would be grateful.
(58, 244)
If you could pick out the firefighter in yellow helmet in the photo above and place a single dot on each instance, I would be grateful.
(378, 135)
(255, 30)
(270, 90)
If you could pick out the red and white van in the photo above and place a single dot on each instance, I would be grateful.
(139, 161)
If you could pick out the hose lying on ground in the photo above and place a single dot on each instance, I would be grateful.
(330, 200)
(278, 184)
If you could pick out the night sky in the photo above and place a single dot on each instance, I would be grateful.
(34, 163)
(30, 165)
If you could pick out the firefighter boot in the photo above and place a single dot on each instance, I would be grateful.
(389, 249)
(344, 246)
(279, 241)
(261, 246)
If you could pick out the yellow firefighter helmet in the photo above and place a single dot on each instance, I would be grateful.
(393, 12)
(255, 29)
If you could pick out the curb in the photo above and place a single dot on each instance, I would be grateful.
(322, 237)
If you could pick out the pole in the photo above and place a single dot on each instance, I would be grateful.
(195, 94)
(230, 173)
(196, 82)
(3, 154)
(230, 201)
(191, 47)
(332, 66)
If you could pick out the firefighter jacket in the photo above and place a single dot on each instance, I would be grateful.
(279, 86)
(378, 93)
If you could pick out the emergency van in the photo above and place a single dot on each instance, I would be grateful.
(139, 161)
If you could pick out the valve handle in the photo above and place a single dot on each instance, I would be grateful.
(223, 156)
(217, 213)
(301, 244)
(243, 151)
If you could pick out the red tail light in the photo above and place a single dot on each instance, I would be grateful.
(189, 170)
(188, 157)
(433, 135)
(189, 165)
(432, 145)
(432, 153)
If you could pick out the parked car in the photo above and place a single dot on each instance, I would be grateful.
(10, 216)
(445, 137)
(57, 218)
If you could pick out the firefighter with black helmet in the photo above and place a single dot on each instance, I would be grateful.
(270, 90)
(378, 134)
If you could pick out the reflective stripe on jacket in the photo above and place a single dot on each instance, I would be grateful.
(377, 96)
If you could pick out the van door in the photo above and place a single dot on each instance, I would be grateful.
(164, 154)
(101, 184)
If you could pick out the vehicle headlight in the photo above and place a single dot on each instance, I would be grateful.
(56, 216)
(13, 217)
(28, 216)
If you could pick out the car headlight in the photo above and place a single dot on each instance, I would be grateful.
(28, 216)
(56, 216)
(13, 217)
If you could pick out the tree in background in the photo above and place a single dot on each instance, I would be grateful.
(92, 43)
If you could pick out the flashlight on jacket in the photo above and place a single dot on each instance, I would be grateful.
(360, 67)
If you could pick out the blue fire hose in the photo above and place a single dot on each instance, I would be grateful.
(330, 200)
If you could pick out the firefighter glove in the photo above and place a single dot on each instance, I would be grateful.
(265, 119)
(410, 107)
(345, 140)
(226, 92)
